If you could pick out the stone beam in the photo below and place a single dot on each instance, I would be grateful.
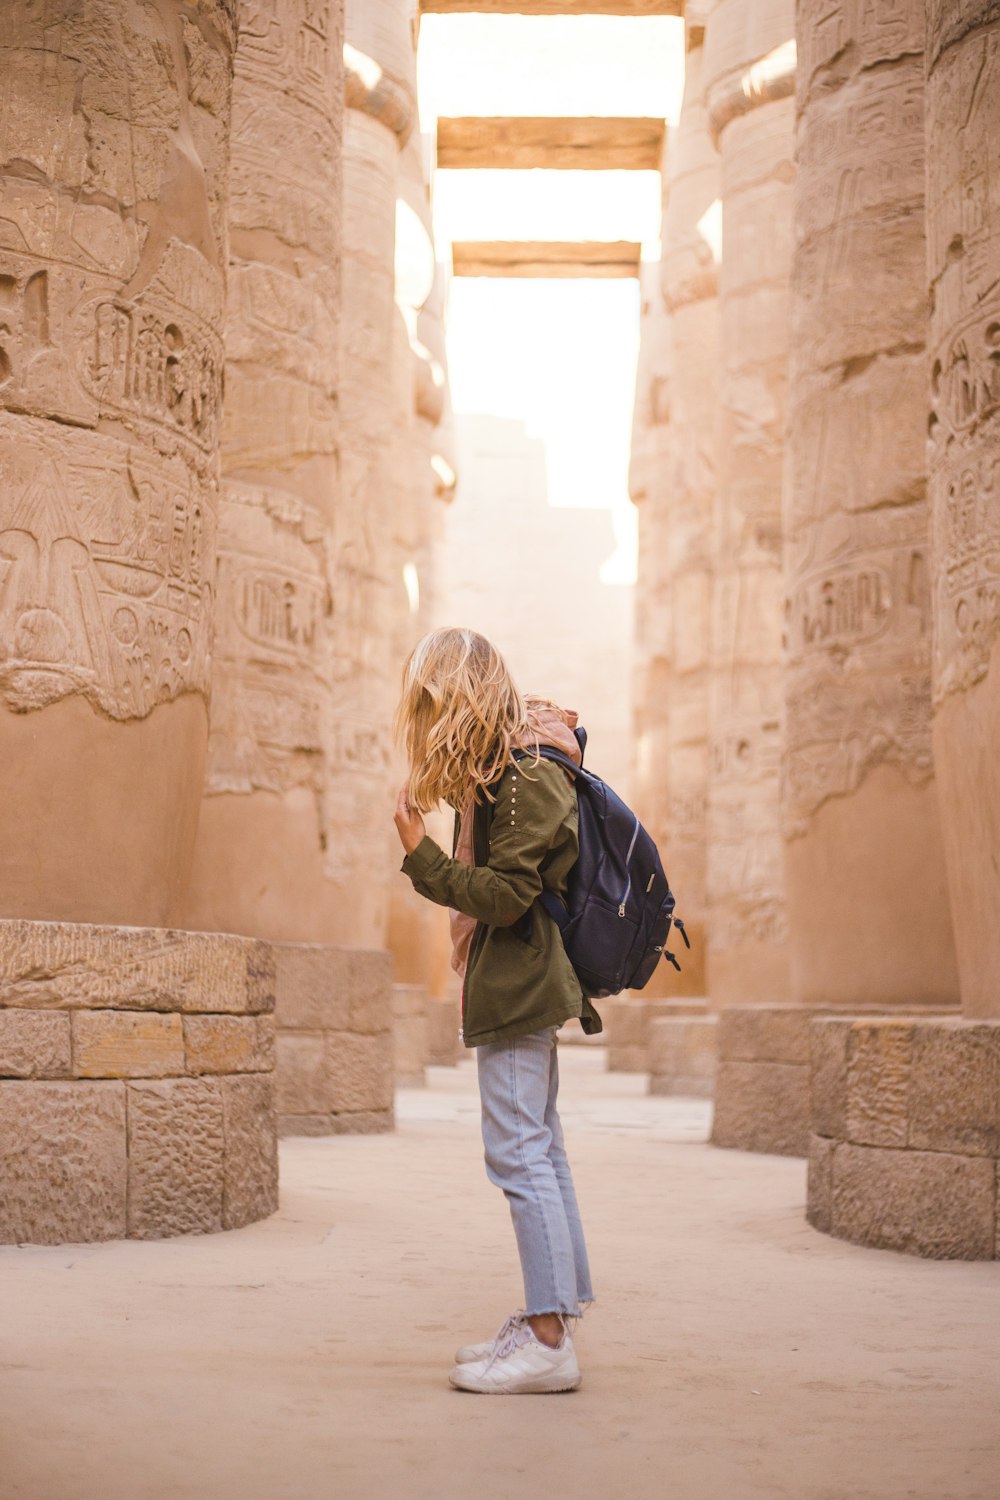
(550, 258)
(554, 7)
(590, 143)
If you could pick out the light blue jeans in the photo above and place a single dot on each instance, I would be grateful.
(526, 1157)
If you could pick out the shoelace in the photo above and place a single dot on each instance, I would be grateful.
(511, 1336)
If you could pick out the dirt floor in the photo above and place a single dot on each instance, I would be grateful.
(734, 1354)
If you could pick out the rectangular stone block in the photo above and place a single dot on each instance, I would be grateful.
(444, 1018)
(954, 1099)
(927, 1203)
(819, 1183)
(878, 1082)
(370, 990)
(765, 1034)
(228, 1044)
(63, 1174)
(302, 1081)
(250, 1180)
(828, 1076)
(364, 1122)
(313, 987)
(682, 1056)
(409, 1035)
(762, 1106)
(76, 965)
(175, 1166)
(360, 1072)
(34, 1044)
(125, 1044)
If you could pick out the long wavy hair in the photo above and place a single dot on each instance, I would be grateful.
(459, 715)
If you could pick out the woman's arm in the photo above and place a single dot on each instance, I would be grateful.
(531, 806)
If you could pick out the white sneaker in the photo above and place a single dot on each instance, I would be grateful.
(520, 1365)
(469, 1353)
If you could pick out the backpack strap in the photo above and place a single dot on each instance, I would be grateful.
(555, 908)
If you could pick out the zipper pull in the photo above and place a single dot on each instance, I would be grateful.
(621, 909)
(680, 928)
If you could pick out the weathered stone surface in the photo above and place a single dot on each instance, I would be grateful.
(126, 1044)
(370, 987)
(69, 965)
(963, 236)
(229, 1044)
(444, 1017)
(828, 1040)
(762, 1106)
(359, 1069)
(250, 1169)
(409, 1035)
(682, 1056)
(175, 1157)
(34, 1044)
(314, 986)
(754, 125)
(878, 1082)
(954, 1094)
(62, 1162)
(819, 1183)
(113, 363)
(363, 1122)
(301, 1078)
(923, 1202)
(765, 1034)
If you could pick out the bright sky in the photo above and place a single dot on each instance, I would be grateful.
(558, 355)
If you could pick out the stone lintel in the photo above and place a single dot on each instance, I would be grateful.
(612, 259)
(583, 143)
(553, 7)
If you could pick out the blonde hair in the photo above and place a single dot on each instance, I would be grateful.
(460, 714)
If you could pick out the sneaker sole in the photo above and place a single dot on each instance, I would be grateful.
(546, 1385)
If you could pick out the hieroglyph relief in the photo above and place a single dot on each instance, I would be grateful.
(111, 302)
(964, 210)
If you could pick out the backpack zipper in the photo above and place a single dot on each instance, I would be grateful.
(628, 856)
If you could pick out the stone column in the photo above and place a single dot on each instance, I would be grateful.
(262, 851)
(379, 95)
(859, 801)
(112, 287)
(749, 74)
(963, 231)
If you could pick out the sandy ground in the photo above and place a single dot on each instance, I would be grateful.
(734, 1352)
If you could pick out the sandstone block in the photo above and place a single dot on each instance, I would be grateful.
(409, 1034)
(765, 1034)
(175, 1167)
(126, 1044)
(301, 1076)
(443, 1020)
(75, 965)
(364, 1122)
(313, 986)
(682, 1056)
(229, 1044)
(62, 1162)
(250, 1180)
(369, 980)
(878, 1081)
(360, 1072)
(828, 1039)
(819, 1183)
(954, 1097)
(34, 1044)
(762, 1106)
(926, 1203)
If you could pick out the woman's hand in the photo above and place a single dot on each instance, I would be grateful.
(409, 823)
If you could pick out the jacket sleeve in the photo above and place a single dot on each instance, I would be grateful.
(531, 807)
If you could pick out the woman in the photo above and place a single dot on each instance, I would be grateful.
(463, 720)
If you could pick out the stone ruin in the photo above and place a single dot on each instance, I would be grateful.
(202, 599)
(818, 600)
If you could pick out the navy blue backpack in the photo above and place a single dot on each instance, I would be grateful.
(619, 907)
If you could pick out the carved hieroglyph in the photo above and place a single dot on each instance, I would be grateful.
(858, 585)
(271, 684)
(751, 116)
(115, 116)
(963, 229)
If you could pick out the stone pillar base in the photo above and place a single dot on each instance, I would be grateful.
(682, 1056)
(136, 1083)
(627, 1019)
(444, 1017)
(334, 1040)
(409, 1035)
(905, 1145)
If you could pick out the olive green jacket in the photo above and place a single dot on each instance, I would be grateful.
(518, 978)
